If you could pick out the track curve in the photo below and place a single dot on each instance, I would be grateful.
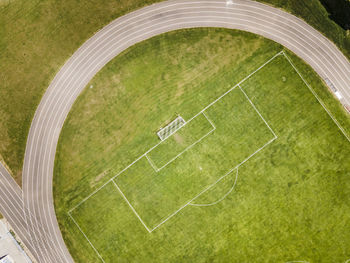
(123, 32)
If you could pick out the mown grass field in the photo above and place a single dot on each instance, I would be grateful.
(37, 37)
(289, 201)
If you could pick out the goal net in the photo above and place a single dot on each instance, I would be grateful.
(171, 128)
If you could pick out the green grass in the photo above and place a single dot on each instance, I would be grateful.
(37, 37)
(291, 199)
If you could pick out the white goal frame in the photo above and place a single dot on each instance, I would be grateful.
(171, 128)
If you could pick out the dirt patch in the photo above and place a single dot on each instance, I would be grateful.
(178, 138)
(179, 91)
(98, 178)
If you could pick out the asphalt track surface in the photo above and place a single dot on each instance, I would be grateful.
(32, 213)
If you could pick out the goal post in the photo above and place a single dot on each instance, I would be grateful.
(171, 128)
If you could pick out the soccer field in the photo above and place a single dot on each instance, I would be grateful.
(254, 168)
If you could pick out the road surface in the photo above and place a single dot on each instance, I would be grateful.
(45, 238)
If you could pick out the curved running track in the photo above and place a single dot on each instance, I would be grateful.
(125, 31)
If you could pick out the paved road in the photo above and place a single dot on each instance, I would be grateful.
(142, 24)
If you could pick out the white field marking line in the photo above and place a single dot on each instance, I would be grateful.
(132, 208)
(189, 147)
(202, 112)
(222, 198)
(257, 111)
(155, 168)
(194, 198)
(45, 155)
(210, 186)
(347, 261)
(137, 159)
(316, 96)
(206, 189)
(209, 120)
(85, 237)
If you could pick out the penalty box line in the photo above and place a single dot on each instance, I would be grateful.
(137, 159)
(252, 104)
(210, 186)
(132, 208)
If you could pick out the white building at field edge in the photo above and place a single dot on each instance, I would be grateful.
(6, 259)
(10, 250)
